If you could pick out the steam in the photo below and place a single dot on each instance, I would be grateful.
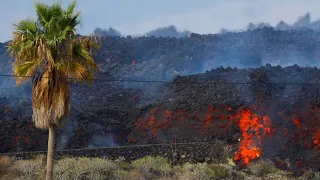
(250, 49)
(304, 22)
(186, 56)
(107, 32)
(67, 133)
(101, 140)
(170, 31)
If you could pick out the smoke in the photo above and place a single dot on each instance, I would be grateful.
(106, 32)
(166, 58)
(250, 49)
(66, 134)
(302, 22)
(101, 140)
(169, 31)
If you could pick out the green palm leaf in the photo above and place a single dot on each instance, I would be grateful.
(50, 46)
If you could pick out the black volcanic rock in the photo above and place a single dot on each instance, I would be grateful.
(173, 85)
(198, 53)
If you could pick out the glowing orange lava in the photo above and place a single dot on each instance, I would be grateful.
(297, 123)
(316, 139)
(252, 127)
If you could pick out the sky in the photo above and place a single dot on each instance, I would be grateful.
(139, 16)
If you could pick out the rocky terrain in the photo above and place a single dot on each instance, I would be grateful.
(303, 22)
(159, 90)
(164, 58)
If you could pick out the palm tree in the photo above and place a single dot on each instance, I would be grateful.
(48, 49)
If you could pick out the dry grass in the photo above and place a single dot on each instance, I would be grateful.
(194, 171)
(149, 167)
(266, 170)
(121, 174)
(24, 169)
(5, 163)
(83, 168)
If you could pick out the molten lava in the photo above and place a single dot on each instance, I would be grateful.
(316, 138)
(297, 123)
(252, 127)
(299, 128)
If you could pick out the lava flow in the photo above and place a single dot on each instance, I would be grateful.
(296, 128)
(316, 139)
(252, 127)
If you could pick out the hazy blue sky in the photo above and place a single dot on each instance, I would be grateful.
(140, 16)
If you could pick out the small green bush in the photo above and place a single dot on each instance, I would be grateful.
(310, 175)
(124, 175)
(262, 168)
(152, 167)
(5, 162)
(26, 169)
(83, 168)
(194, 171)
(276, 176)
(147, 168)
(221, 172)
(148, 162)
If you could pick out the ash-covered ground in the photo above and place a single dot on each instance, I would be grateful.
(177, 91)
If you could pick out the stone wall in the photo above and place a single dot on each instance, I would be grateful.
(179, 152)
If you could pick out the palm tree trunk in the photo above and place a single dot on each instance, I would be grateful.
(49, 173)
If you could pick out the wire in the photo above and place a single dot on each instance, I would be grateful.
(178, 82)
(176, 109)
(135, 110)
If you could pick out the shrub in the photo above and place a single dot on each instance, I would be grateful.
(221, 172)
(239, 175)
(5, 163)
(262, 168)
(317, 175)
(83, 168)
(194, 171)
(124, 175)
(27, 169)
(276, 176)
(152, 167)
(148, 168)
(310, 175)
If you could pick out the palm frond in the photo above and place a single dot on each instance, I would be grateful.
(25, 70)
(42, 12)
(79, 72)
(81, 55)
(50, 47)
(26, 26)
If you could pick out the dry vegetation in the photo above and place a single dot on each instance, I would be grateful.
(85, 168)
